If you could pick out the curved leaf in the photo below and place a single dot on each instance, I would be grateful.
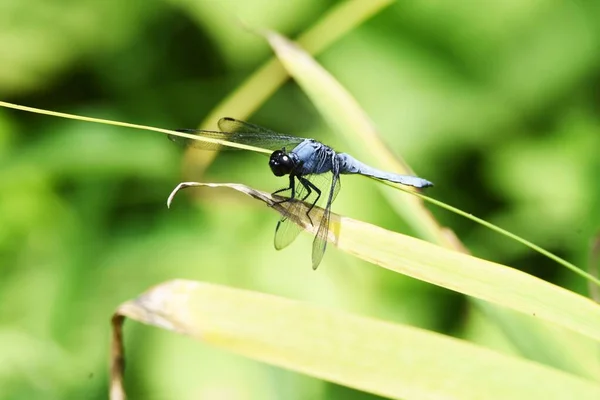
(389, 360)
(428, 262)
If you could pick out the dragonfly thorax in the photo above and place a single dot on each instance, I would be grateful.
(281, 163)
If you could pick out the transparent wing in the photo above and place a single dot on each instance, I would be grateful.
(320, 242)
(240, 132)
(228, 124)
(286, 230)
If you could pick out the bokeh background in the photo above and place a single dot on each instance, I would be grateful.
(495, 102)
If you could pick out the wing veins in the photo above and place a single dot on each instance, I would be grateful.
(267, 141)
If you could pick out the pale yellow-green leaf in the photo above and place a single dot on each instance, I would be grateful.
(395, 361)
(428, 262)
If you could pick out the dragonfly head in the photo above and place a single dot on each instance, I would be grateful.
(281, 163)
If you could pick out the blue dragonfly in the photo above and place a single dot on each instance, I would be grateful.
(313, 169)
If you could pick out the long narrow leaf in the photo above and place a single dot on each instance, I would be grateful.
(389, 360)
(428, 262)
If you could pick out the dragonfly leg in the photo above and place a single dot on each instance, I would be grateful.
(310, 187)
(292, 187)
(306, 186)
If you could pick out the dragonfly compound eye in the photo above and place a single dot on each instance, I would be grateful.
(281, 163)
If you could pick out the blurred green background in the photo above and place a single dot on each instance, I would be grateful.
(495, 102)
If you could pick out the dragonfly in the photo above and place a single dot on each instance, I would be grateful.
(313, 171)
